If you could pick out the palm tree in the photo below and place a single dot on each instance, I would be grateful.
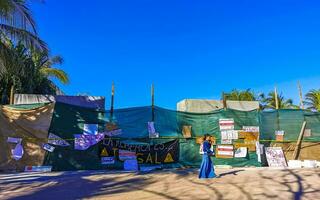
(270, 101)
(313, 99)
(29, 71)
(241, 95)
(17, 24)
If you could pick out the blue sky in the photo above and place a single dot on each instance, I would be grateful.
(188, 49)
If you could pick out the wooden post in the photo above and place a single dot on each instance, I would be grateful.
(224, 101)
(11, 95)
(152, 101)
(112, 101)
(300, 95)
(296, 151)
(276, 98)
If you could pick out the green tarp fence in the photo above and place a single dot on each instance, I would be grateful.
(68, 120)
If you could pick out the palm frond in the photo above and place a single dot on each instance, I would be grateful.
(56, 73)
(26, 37)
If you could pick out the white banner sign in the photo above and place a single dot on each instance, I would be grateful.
(226, 124)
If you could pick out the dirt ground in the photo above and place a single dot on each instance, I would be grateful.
(237, 183)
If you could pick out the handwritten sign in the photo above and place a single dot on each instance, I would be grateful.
(275, 157)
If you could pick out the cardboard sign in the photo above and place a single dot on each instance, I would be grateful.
(226, 124)
(186, 131)
(250, 128)
(38, 168)
(224, 151)
(107, 160)
(48, 147)
(241, 152)
(275, 157)
(90, 129)
(249, 140)
(279, 138)
(126, 155)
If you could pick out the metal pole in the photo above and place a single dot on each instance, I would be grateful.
(152, 101)
(112, 101)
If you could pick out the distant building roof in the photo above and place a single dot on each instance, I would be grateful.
(206, 105)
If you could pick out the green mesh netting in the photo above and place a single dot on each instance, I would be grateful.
(68, 120)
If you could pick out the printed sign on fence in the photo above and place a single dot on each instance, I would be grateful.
(14, 140)
(83, 142)
(56, 140)
(241, 152)
(275, 157)
(107, 160)
(152, 130)
(224, 151)
(226, 124)
(126, 155)
(38, 168)
(250, 128)
(48, 147)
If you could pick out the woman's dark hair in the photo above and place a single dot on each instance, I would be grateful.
(205, 136)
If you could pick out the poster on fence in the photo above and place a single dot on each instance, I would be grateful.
(226, 124)
(275, 157)
(146, 154)
(224, 151)
(83, 142)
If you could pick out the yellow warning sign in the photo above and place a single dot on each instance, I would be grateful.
(168, 158)
(104, 152)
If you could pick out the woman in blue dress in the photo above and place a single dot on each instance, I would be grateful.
(206, 168)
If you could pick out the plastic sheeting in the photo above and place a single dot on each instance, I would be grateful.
(206, 105)
(96, 102)
(29, 124)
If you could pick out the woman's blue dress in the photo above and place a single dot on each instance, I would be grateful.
(206, 168)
